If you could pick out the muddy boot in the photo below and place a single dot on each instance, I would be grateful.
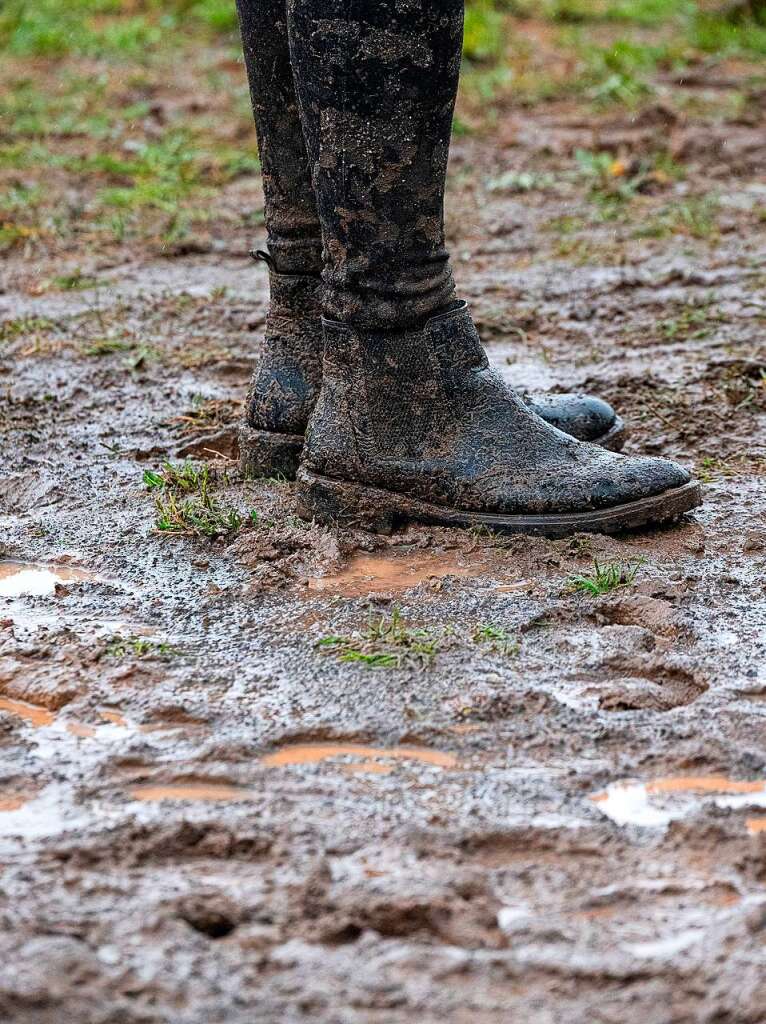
(280, 398)
(411, 423)
(414, 425)
(285, 384)
(583, 416)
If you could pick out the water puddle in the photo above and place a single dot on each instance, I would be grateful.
(755, 825)
(114, 723)
(374, 574)
(35, 579)
(315, 753)
(200, 791)
(34, 714)
(12, 803)
(656, 803)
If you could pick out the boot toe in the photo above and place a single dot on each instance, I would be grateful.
(584, 417)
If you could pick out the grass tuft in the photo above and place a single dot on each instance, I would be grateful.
(387, 643)
(138, 647)
(185, 506)
(497, 639)
(604, 578)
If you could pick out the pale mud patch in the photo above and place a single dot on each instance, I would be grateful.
(393, 572)
(658, 802)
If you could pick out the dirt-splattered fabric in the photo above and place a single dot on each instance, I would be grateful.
(377, 86)
(289, 205)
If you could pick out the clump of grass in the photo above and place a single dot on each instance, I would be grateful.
(108, 346)
(497, 639)
(387, 642)
(138, 647)
(483, 37)
(604, 578)
(197, 517)
(185, 506)
(614, 183)
(696, 217)
(521, 181)
(11, 329)
(76, 281)
(185, 478)
(692, 322)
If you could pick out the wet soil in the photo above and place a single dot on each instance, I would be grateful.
(207, 815)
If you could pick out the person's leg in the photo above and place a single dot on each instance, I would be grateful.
(377, 85)
(285, 384)
(286, 381)
(292, 223)
(411, 422)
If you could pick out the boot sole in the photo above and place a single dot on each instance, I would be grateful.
(334, 501)
(267, 453)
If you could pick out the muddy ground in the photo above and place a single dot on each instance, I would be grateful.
(519, 802)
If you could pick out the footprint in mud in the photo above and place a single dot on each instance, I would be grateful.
(369, 759)
(654, 804)
(648, 684)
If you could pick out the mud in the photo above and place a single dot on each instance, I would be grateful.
(557, 818)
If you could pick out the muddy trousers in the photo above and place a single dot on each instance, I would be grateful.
(353, 103)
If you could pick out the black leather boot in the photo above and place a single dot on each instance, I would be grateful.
(414, 425)
(388, 267)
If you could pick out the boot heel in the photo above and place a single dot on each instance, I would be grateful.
(340, 503)
(267, 453)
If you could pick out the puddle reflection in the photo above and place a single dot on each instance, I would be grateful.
(659, 801)
(383, 573)
(34, 579)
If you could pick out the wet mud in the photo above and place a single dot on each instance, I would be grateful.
(289, 774)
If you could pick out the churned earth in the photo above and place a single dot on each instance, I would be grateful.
(257, 770)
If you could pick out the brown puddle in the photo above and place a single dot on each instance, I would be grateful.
(704, 784)
(658, 802)
(314, 753)
(38, 716)
(33, 713)
(35, 579)
(189, 791)
(374, 574)
(12, 803)
(368, 768)
(755, 825)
